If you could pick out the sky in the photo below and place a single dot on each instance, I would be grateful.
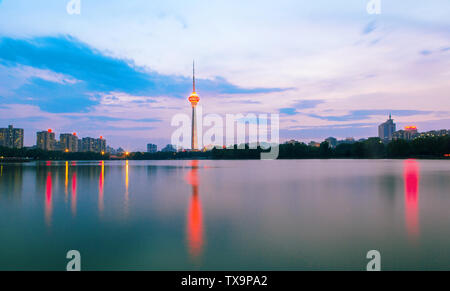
(123, 69)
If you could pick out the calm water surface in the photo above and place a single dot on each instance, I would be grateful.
(222, 215)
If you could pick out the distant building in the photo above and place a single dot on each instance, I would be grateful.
(435, 133)
(11, 137)
(332, 142)
(292, 142)
(45, 140)
(169, 148)
(386, 130)
(348, 140)
(111, 150)
(68, 142)
(152, 148)
(314, 144)
(409, 133)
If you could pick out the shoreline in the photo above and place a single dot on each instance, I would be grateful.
(23, 161)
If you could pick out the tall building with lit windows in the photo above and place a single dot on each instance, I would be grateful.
(386, 130)
(96, 145)
(88, 144)
(100, 145)
(45, 140)
(194, 99)
(69, 142)
(11, 137)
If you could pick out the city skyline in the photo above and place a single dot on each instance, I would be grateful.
(334, 71)
(70, 142)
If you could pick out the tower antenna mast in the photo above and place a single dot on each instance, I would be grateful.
(193, 75)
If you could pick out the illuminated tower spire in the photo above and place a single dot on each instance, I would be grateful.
(194, 99)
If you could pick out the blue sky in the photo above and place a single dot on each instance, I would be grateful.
(122, 69)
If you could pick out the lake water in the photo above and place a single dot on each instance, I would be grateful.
(226, 215)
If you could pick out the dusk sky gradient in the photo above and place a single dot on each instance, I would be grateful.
(122, 69)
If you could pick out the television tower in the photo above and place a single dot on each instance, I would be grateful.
(194, 99)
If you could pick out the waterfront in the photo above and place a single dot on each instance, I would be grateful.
(226, 215)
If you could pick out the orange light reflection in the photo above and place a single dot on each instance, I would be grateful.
(195, 216)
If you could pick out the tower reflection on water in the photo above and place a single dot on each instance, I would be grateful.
(411, 177)
(194, 225)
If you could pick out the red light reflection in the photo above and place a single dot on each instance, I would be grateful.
(48, 199)
(100, 187)
(74, 194)
(411, 177)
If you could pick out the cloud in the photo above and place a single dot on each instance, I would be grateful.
(307, 104)
(110, 118)
(54, 97)
(288, 111)
(94, 72)
(426, 52)
(370, 27)
(299, 105)
(363, 114)
(319, 132)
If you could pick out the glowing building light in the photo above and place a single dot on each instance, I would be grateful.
(411, 127)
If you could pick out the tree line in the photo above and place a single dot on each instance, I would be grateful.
(38, 154)
(372, 148)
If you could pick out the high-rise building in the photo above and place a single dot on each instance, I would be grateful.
(69, 142)
(11, 137)
(386, 130)
(100, 145)
(194, 99)
(152, 148)
(46, 140)
(88, 144)
(97, 145)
